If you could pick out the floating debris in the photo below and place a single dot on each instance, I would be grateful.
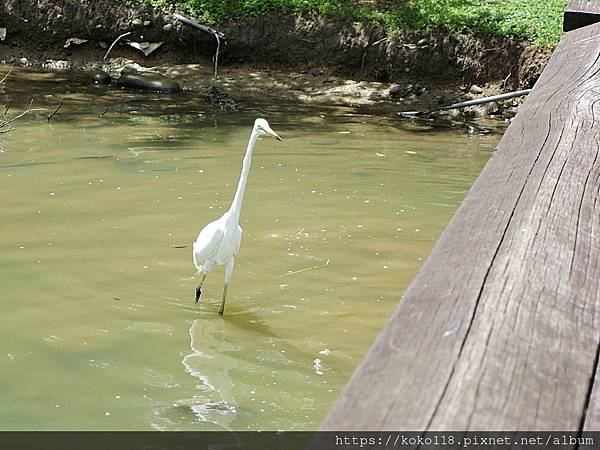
(317, 366)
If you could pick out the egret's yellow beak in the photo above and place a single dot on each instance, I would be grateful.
(270, 132)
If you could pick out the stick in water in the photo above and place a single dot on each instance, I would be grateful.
(307, 268)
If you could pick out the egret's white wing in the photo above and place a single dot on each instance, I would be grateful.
(238, 241)
(207, 245)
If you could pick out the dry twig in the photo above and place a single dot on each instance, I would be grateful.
(114, 43)
(7, 74)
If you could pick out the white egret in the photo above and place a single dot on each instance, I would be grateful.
(219, 241)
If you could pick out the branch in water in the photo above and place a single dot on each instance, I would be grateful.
(55, 110)
(7, 122)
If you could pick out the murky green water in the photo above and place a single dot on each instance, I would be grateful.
(99, 329)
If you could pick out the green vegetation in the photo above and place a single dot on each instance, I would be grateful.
(539, 21)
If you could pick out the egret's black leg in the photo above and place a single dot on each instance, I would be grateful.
(223, 302)
(199, 288)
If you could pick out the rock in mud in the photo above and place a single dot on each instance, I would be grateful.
(475, 89)
(149, 82)
(418, 90)
(99, 77)
(493, 109)
(131, 68)
(137, 22)
(57, 65)
(167, 27)
(23, 61)
(398, 91)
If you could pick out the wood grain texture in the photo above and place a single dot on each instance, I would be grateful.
(500, 329)
(581, 13)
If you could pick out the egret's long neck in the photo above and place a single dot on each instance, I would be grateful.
(236, 205)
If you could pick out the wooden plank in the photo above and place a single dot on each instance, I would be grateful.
(581, 13)
(592, 419)
(501, 328)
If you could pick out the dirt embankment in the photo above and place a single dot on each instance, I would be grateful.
(318, 50)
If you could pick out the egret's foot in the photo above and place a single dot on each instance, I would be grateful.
(198, 293)
(221, 311)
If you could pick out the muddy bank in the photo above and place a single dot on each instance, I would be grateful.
(304, 58)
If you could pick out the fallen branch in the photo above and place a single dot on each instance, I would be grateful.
(114, 43)
(55, 110)
(7, 122)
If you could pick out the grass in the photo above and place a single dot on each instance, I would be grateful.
(536, 20)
